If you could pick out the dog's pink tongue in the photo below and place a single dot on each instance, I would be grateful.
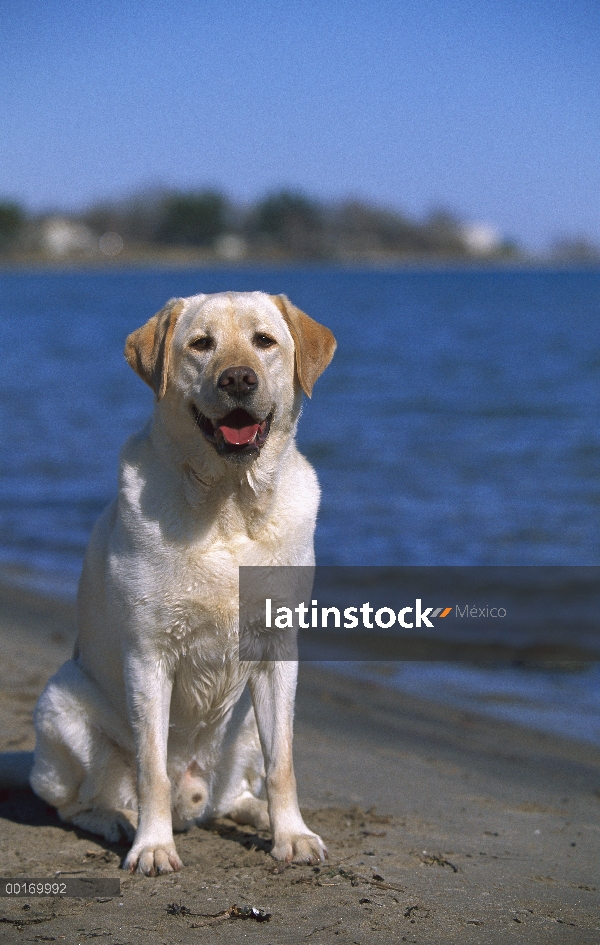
(239, 436)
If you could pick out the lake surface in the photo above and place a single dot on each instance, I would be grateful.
(459, 422)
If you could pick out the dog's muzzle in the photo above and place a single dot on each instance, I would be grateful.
(238, 432)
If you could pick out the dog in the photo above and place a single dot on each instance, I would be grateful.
(155, 723)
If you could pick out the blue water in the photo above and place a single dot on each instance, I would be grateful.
(457, 424)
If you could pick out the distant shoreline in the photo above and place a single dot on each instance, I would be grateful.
(186, 262)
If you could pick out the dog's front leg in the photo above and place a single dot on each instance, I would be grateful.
(149, 697)
(273, 687)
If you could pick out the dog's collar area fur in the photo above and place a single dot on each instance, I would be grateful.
(238, 433)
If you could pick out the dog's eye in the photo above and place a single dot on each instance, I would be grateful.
(202, 344)
(263, 341)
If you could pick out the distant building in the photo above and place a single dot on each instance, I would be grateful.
(61, 237)
(231, 247)
(481, 239)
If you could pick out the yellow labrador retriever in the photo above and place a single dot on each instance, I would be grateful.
(155, 722)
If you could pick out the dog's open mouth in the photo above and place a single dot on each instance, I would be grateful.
(237, 432)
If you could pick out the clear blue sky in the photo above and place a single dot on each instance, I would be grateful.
(490, 108)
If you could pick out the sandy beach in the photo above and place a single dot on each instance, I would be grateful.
(441, 826)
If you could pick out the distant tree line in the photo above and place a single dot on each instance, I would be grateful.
(283, 225)
(12, 219)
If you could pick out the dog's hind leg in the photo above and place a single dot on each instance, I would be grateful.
(189, 796)
(77, 768)
(241, 770)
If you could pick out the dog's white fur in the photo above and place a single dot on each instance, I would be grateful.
(155, 722)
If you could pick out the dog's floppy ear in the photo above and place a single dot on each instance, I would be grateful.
(147, 350)
(313, 342)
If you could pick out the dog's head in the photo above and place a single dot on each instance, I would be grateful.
(232, 367)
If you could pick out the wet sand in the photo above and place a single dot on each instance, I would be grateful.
(442, 826)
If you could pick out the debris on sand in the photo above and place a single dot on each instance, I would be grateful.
(234, 912)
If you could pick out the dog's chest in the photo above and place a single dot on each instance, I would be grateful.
(198, 632)
(189, 567)
(198, 601)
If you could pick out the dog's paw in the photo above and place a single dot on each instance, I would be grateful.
(153, 860)
(300, 848)
(248, 809)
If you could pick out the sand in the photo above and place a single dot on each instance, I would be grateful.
(441, 826)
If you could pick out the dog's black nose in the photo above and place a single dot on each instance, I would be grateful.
(238, 381)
